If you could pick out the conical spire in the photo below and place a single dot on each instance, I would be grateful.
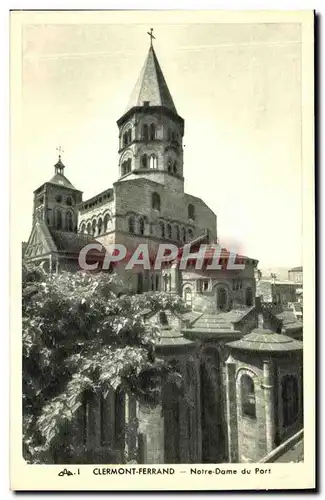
(151, 86)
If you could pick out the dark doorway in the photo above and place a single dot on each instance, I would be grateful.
(221, 299)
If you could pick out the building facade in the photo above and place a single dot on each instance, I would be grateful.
(148, 204)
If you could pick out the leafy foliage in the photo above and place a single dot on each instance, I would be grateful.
(79, 334)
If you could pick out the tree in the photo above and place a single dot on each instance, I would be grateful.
(78, 335)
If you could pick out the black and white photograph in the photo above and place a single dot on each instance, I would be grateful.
(161, 199)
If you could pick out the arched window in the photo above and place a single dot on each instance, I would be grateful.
(145, 132)
(190, 234)
(169, 231)
(157, 281)
(290, 399)
(162, 229)
(93, 227)
(58, 219)
(155, 201)
(106, 220)
(83, 228)
(153, 162)
(69, 201)
(249, 297)
(191, 212)
(144, 161)
(175, 167)
(128, 165)
(187, 296)
(183, 234)
(248, 396)
(68, 221)
(131, 224)
(169, 165)
(100, 225)
(177, 233)
(89, 228)
(141, 225)
(129, 135)
(125, 139)
(152, 132)
(221, 299)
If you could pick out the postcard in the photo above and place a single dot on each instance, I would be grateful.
(162, 250)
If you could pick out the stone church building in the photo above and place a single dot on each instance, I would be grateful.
(242, 378)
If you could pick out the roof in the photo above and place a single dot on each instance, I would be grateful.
(278, 282)
(174, 337)
(73, 243)
(151, 86)
(215, 325)
(296, 269)
(266, 341)
(289, 319)
(61, 180)
(212, 250)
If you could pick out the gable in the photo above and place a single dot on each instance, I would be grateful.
(40, 242)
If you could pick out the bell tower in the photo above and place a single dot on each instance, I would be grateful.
(56, 201)
(151, 131)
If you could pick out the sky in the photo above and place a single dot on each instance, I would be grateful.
(238, 88)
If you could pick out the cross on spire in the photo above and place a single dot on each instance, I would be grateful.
(150, 33)
(60, 150)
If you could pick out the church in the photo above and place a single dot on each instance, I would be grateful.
(241, 370)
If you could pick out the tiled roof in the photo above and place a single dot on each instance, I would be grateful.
(172, 337)
(214, 249)
(73, 243)
(215, 325)
(265, 340)
(289, 319)
(151, 86)
(61, 180)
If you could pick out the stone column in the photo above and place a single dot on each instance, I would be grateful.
(175, 279)
(232, 425)
(184, 419)
(268, 386)
(151, 434)
(132, 428)
(108, 419)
